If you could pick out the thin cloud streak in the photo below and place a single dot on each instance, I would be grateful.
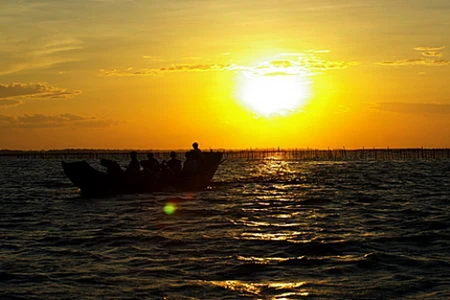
(416, 62)
(9, 102)
(15, 91)
(53, 121)
(429, 48)
(158, 71)
(431, 57)
(41, 54)
(306, 63)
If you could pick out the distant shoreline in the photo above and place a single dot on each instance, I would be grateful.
(289, 154)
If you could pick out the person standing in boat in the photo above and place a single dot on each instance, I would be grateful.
(196, 156)
(196, 152)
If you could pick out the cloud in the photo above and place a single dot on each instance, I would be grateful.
(12, 93)
(304, 63)
(151, 58)
(432, 54)
(314, 63)
(173, 68)
(430, 51)
(414, 108)
(431, 57)
(429, 48)
(53, 121)
(198, 67)
(5, 119)
(311, 60)
(9, 102)
(22, 55)
(279, 74)
(281, 63)
(416, 62)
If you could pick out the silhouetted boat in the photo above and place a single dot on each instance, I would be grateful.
(93, 182)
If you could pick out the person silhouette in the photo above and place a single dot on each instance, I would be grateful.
(195, 147)
(174, 164)
(196, 153)
(151, 163)
(112, 167)
(190, 165)
(134, 166)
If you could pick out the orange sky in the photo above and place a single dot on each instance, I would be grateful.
(130, 74)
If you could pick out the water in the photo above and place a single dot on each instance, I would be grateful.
(266, 229)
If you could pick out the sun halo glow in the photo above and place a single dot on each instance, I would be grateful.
(270, 95)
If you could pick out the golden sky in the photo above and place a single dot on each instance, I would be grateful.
(146, 74)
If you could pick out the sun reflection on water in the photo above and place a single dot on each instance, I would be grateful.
(275, 166)
(291, 290)
(280, 236)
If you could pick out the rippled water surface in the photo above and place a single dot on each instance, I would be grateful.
(265, 229)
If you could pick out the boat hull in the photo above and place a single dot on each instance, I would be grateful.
(93, 182)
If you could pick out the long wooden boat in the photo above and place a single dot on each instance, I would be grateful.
(93, 183)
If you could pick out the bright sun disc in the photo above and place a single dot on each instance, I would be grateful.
(269, 95)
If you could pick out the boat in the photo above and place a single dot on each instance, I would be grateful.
(95, 183)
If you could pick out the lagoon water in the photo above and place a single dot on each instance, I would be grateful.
(265, 229)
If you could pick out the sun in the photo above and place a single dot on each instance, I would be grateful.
(270, 95)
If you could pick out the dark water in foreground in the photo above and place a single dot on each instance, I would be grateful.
(267, 229)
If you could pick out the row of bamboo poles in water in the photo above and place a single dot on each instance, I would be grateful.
(343, 154)
(250, 154)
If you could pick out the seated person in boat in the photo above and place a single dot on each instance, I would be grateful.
(134, 168)
(112, 167)
(151, 164)
(173, 164)
(190, 165)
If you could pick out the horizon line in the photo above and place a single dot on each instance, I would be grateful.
(275, 149)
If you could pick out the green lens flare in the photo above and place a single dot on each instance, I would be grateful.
(169, 208)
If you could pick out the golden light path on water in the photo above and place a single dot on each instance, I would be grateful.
(279, 290)
(256, 230)
(256, 289)
(276, 290)
(272, 216)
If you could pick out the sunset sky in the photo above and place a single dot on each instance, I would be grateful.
(135, 74)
